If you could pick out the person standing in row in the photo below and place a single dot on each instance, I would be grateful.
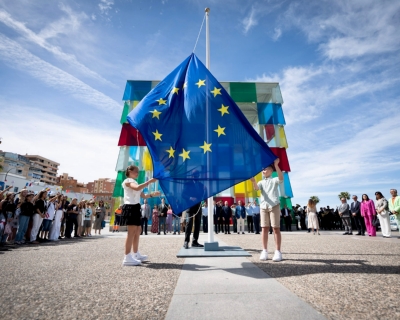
(87, 218)
(145, 216)
(27, 211)
(368, 212)
(270, 208)
(162, 215)
(169, 218)
(356, 213)
(154, 220)
(394, 205)
(72, 221)
(311, 212)
(240, 216)
(132, 215)
(48, 219)
(382, 210)
(344, 213)
(205, 217)
(219, 225)
(256, 216)
(40, 210)
(249, 214)
(287, 218)
(100, 215)
(226, 216)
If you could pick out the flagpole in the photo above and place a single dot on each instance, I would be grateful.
(210, 245)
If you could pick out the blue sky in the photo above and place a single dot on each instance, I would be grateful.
(64, 64)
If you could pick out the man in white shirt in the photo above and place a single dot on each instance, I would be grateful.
(145, 210)
(270, 208)
(205, 217)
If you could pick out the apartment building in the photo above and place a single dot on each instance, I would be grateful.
(42, 169)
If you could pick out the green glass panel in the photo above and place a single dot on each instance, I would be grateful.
(243, 91)
(286, 201)
(142, 176)
(125, 112)
(118, 190)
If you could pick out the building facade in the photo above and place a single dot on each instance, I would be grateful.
(102, 190)
(69, 184)
(42, 169)
(15, 164)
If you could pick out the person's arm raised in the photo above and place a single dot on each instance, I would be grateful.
(139, 187)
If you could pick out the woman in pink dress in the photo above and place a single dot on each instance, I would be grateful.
(368, 212)
(154, 221)
(169, 219)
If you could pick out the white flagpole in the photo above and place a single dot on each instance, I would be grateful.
(209, 200)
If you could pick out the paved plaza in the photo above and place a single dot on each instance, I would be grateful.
(321, 277)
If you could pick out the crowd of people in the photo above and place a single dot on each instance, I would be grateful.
(28, 218)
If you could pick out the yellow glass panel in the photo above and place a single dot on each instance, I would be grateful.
(282, 137)
(147, 163)
(240, 187)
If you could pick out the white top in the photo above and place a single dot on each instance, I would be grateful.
(130, 196)
(269, 192)
(205, 211)
(51, 211)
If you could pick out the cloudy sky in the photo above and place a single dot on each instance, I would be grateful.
(64, 64)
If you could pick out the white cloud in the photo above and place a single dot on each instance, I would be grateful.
(105, 6)
(250, 20)
(17, 57)
(84, 152)
(277, 34)
(54, 29)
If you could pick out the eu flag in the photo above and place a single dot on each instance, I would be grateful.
(198, 138)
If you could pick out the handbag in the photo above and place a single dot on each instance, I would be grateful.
(375, 221)
(103, 224)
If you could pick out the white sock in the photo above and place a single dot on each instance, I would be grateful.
(265, 250)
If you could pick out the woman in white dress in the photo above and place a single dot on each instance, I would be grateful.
(382, 208)
(311, 211)
(55, 227)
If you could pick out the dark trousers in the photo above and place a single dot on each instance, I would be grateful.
(234, 220)
(205, 224)
(219, 225)
(144, 225)
(72, 222)
(189, 225)
(256, 220)
(288, 223)
(226, 225)
(359, 221)
(250, 224)
(161, 221)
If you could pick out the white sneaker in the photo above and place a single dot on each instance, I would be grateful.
(277, 256)
(264, 255)
(139, 257)
(130, 261)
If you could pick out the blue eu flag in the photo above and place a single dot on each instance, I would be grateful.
(198, 138)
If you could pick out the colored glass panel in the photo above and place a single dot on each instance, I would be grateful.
(130, 136)
(282, 155)
(125, 112)
(287, 185)
(118, 190)
(270, 113)
(286, 201)
(136, 90)
(123, 159)
(264, 92)
(243, 91)
(269, 131)
(147, 162)
(282, 137)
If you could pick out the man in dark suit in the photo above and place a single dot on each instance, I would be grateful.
(356, 213)
(285, 212)
(191, 189)
(162, 215)
(226, 216)
(217, 217)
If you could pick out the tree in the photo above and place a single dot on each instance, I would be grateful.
(345, 195)
(315, 199)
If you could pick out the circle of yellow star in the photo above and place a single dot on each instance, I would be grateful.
(201, 83)
(157, 135)
(175, 90)
(223, 110)
(216, 91)
(220, 131)
(161, 101)
(185, 154)
(171, 152)
(156, 114)
(206, 147)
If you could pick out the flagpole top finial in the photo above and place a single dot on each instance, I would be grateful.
(207, 10)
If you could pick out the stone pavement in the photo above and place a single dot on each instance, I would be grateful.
(331, 276)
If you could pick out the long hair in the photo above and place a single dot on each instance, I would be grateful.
(311, 203)
(41, 193)
(380, 193)
(362, 197)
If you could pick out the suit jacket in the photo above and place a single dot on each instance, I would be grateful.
(162, 210)
(145, 211)
(355, 208)
(226, 212)
(240, 212)
(217, 212)
(283, 213)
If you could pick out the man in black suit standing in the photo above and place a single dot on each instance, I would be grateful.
(285, 212)
(356, 213)
(226, 215)
(217, 217)
(162, 215)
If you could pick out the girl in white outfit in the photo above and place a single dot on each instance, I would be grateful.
(311, 211)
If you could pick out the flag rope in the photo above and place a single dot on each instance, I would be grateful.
(198, 36)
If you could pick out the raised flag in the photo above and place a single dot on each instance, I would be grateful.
(197, 135)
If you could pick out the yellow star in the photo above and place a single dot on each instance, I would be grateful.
(201, 83)
(157, 135)
(185, 154)
(216, 91)
(171, 152)
(206, 147)
(220, 131)
(161, 101)
(223, 110)
(184, 85)
(156, 114)
(175, 90)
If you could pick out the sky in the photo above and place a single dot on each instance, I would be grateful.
(64, 65)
